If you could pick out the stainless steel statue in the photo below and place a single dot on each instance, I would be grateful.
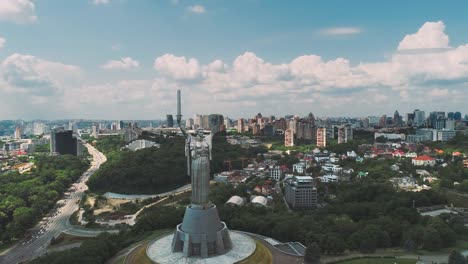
(201, 232)
(198, 166)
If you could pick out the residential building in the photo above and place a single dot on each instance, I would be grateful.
(450, 124)
(321, 137)
(240, 125)
(428, 134)
(390, 136)
(216, 123)
(276, 173)
(300, 192)
(299, 167)
(281, 124)
(423, 161)
(189, 123)
(18, 132)
(373, 120)
(289, 137)
(345, 134)
(445, 135)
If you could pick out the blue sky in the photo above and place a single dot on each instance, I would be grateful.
(65, 49)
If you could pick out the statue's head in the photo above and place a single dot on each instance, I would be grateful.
(199, 133)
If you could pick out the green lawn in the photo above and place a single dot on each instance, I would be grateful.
(380, 261)
(6, 246)
(261, 255)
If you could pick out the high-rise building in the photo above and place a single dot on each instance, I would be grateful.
(365, 122)
(170, 121)
(38, 128)
(321, 137)
(276, 173)
(227, 123)
(457, 116)
(419, 117)
(269, 130)
(189, 123)
(300, 192)
(409, 119)
(373, 121)
(216, 122)
(311, 119)
(383, 121)
(62, 142)
(450, 124)
(240, 125)
(345, 134)
(288, 138)
(18, 132)
(397, 120)
(281, 124)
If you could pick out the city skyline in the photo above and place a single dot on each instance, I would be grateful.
(97, 59)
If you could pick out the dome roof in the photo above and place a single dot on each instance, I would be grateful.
(260, 200)
(237, 200)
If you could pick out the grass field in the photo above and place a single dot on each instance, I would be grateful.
(379, 261)
(6, 246)
(65, 239)
(138, 256)
(261, 255)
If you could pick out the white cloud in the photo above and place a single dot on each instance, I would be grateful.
(341, 31)
(124, 63)
(197, 9)
(37, 75)
(428, 79)
(430, 36)
(177, 68)
(17, 11)
(116, 47)
(2, 42)
(438, 93)
(40, 83)
(101, 2)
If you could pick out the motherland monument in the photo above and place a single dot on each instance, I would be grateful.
(201, 232)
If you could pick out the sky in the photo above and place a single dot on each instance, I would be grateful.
(125, 59)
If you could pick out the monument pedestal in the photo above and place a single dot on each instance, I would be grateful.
(201, 233)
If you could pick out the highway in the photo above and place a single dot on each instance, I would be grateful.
(58, 221)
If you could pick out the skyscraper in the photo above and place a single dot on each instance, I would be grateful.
(419, 117)
(170, 121)
(62, 142)
(397, 120)
(409, 119)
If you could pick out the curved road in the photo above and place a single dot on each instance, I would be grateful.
(59, 222)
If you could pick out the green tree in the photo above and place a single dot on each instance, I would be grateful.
(312, 254)
(431, 239)
(332, 244)
(456, 257)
